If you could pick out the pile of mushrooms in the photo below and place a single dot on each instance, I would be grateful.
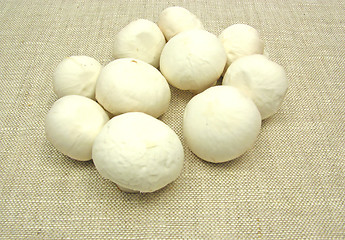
(111, 114)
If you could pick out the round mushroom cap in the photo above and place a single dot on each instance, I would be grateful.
(240, 40)
(263, 80)
(220, 124)
(131, 85)
(72, 124)
(140, 39)
(174, 20)
(138, 152)
(193, 60)
(76, 75)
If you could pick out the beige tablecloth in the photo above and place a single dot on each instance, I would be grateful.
(291, 185)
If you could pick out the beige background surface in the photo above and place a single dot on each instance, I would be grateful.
(291, 185)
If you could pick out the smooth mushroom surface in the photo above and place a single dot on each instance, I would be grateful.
(193, 60)
(240, 40)
(263, 80)
(76, 75)
(132, 85)
(72, 124)
(220, 124)
(138, 152)
(140, 39)
(174, 20)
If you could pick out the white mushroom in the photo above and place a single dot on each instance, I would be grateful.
(76, 75)
(138, 152)
(131, 85)
(174, 20)
(261, 79)
(220, 124)
(193, 60)
(140, 39)
(72, 124)
(240, 40)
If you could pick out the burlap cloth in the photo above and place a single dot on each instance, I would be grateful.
(291, 185)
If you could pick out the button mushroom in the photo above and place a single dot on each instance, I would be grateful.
(140, 39)
(131, 85)
(138, 152)
(76, 75)
(220, 124)
(240, 40)
(261, 79)
(193, 60)
(174, 20)
(72, 124)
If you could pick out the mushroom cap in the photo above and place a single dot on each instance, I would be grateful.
(131, 85)
(138, 152)
(174, 20)
(193, 60)
(261, 79)
(220, 124)
(240, 40)
(72, 124)
(140, 39)
(76, 75)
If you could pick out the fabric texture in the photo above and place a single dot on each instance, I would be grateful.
(290, 185)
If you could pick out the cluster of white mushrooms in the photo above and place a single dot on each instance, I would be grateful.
(109, 114)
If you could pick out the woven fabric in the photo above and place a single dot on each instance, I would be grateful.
(291, 185)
